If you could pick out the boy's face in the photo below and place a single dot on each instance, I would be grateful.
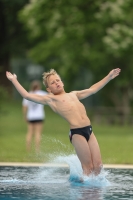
(55, 84)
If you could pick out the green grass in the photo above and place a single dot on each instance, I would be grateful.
(13, 132)
(115, 141)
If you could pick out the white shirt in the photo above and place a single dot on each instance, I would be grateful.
(35, 111)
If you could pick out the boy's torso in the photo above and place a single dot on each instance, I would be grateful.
(69, 107)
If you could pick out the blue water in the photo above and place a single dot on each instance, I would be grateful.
(63, 183)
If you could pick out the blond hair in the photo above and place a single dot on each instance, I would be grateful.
(48, 74)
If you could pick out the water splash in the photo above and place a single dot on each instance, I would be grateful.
(76, 173)
(67, 171)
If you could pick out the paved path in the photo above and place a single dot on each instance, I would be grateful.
(22, 164)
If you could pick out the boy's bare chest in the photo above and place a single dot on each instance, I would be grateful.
(67, 103)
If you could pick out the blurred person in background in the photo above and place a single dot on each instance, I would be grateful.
(34, 114)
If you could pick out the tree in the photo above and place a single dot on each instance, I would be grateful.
(117, 17)
(64, 35)
(12, 36)
(76, 36)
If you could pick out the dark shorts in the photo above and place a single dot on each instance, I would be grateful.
(85, 132)
(35, 121)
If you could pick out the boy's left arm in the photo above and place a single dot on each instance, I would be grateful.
(99, 85)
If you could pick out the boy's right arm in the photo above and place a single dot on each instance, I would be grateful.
(33, 97)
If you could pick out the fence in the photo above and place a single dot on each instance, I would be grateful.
(111, 115)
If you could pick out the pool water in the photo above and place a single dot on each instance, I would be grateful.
(59, 183)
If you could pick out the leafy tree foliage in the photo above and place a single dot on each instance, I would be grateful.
(65, 35)
(12, 35)
(89, 36)
(116, 17)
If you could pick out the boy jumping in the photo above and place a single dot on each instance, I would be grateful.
(68, 105)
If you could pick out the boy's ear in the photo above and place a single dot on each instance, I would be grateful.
(48, 90)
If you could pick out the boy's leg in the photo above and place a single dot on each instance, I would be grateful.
(83, 152)
(95, 153)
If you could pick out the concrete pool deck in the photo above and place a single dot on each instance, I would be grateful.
(23, 164)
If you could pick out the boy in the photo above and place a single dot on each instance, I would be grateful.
(70, 108)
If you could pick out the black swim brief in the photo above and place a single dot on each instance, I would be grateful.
(85, 132)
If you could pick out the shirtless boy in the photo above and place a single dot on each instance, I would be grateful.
(73, 111)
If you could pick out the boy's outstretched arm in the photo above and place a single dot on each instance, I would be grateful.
(99, 85)
(23, 92)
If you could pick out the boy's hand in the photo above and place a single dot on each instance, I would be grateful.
(11, 76)
(114, 73)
